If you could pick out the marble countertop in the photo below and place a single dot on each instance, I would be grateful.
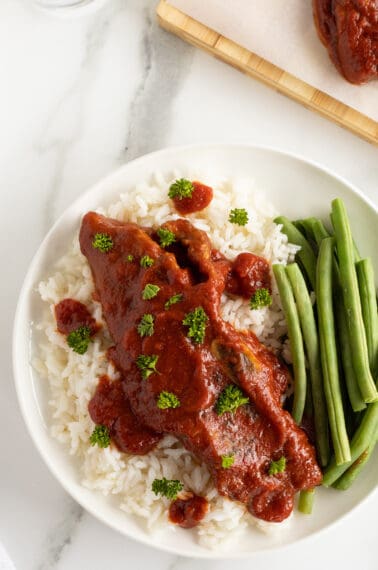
(82, 94)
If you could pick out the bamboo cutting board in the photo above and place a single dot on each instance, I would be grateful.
(234, 54)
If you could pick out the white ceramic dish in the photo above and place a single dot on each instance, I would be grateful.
(298, 189)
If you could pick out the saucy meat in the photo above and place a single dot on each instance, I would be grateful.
(349, 30)
(197, 373)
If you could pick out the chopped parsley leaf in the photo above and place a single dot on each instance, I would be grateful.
(167, 400)
(150, 291)
(100, 436)
(79, 339)
(146, 325)
(228, 461)
(103, 242)
(129, 258)
(230, 400)
(260, 298)
(173, 300)
(166, 237)
(146, 261)
(278, 466)
(238, 216)
(167, 487)
(180, 189)
(196, 321)
(147, 364)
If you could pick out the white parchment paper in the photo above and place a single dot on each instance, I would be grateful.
(282, 32)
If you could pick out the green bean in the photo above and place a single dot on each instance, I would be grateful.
(305, 227)
(311, 340)
(305, 254)
(353, 389)
(299, 226)
(345, 252)
(319, 231)
(306, 501)
(365, 275)
(296, 341)
(309, 406)
(308, 223)
(356, 254)
(366, 283)
(328, 352)
(345, 481)
(354, 392)
(364, 436)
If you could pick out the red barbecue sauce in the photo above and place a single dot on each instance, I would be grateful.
(110, 407)
(200, 199)
(249, 273)
(71, 314)
(245, 275)
(189, 511)
(197, 374)
(349, 30)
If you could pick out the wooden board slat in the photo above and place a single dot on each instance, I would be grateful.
(244, 60)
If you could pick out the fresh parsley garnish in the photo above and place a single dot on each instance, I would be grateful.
(260, 298)
(129, 258)
(238, 216)
(150, 291)
(146, 261)
(100, 436)
(228, 461)
(196, 321)
(180, 189)
(278, 466)
(103, 242)
(230, 399)
(79, 339)
(169, 488)
(167, 400)
(146, 325)
(147, 364)
(173, 300)
(166, 237)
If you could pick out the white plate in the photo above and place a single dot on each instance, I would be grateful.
(298, 189)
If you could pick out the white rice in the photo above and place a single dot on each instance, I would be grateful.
(72, 378)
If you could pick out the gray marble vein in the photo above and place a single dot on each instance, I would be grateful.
(60, 536)
(50, 140)
(176, 563)
(167, 60)
(181, 563)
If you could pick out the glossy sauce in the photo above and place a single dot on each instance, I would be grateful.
(349, 30)
(71, 314)
(196, 374)
(110, 407)
(188, 512)
(200, 199)
(248, 273)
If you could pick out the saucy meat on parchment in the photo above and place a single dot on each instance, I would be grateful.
(349, 30)
(181, 365)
